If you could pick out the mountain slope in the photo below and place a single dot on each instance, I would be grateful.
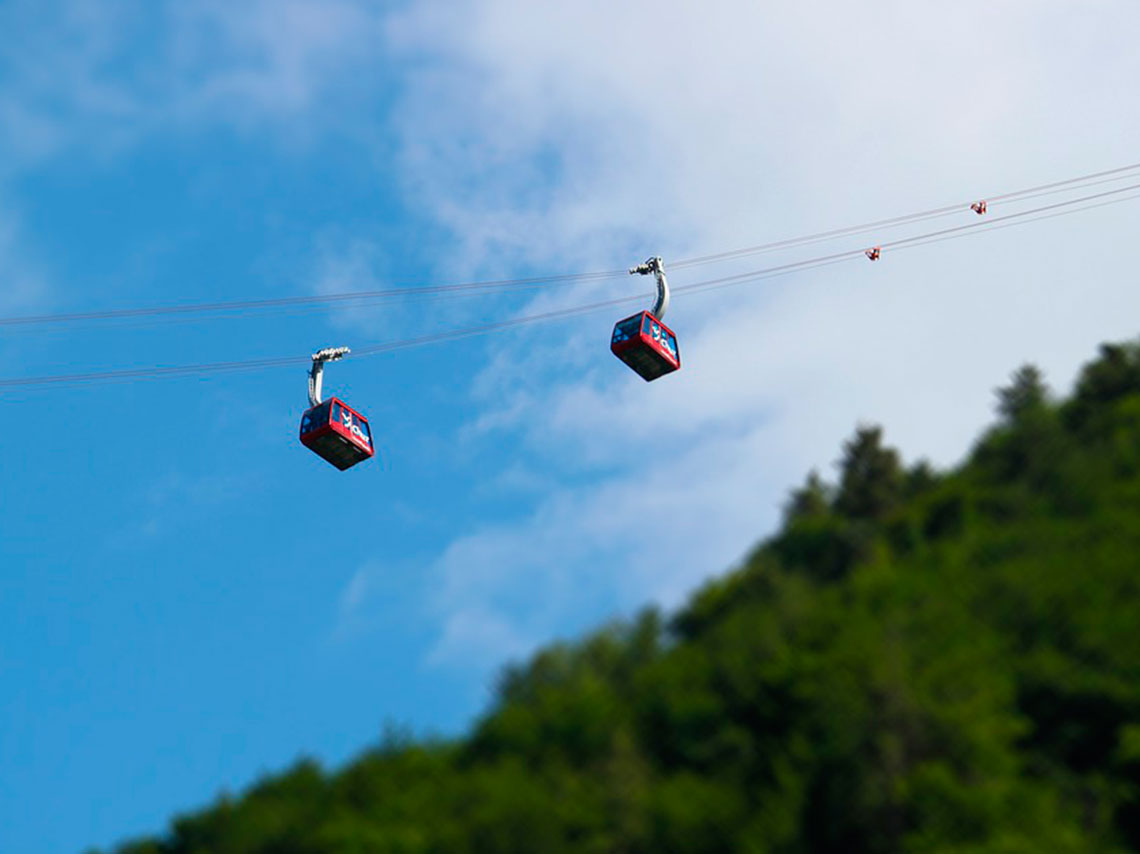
(917, 661)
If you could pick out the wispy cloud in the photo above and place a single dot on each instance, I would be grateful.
(249, 61)
(101, 76)
(577, 136)
(99, 80)
(586, 135)
(346, 263)
(556, 134)
(60, 78)
(175, 500)
(23, 284)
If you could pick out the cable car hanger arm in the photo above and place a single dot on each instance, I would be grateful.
(655, 266)
(316, 372)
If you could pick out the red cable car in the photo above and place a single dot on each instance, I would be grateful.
(647, 345)
(642, 341)
(337, 432)
(332, 428)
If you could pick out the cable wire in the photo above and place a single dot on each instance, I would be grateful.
(318, 300)
(1020, 218)
(324, 301)
(906, 219)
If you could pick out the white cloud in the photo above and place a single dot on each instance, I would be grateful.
(584, 135)
(193, 495)
(25, 284)
(346, 263)
(96, 79)
(56, 78)
(557, 134)
(98, 76)
(249, 61)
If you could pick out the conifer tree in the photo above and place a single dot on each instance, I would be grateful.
(810, 501)
(1026, 393)
(871, 480)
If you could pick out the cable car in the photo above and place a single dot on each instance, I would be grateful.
(331, 428)
(874, 252)
(642, 341)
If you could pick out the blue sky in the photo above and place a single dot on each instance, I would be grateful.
(188, 598)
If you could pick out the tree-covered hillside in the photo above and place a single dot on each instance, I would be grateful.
(917, 661)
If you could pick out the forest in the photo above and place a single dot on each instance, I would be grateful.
(916, 661)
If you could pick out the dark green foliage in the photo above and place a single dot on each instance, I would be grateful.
(810, 501)
(1113, 376)
(920, 479)
(916, 662)
(871, 477)
(1026, 394)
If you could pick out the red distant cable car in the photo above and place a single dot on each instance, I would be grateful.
(647, 345)
(642, 341)
(331, 428)
(874, 252)
(979, 207)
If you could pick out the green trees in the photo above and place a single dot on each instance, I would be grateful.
(1025, 395)
(917, 661)
(871, 477)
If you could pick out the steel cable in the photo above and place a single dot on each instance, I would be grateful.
(1022, 217)
(324, 301)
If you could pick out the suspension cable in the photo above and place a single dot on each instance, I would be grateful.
(314, 300)
(323, 301)
(1120, 173)
(1020, 218)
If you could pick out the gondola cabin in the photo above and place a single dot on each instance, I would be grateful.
(337, 432)
(647, 345)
